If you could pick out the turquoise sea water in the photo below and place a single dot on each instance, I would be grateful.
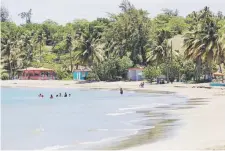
(87, 118)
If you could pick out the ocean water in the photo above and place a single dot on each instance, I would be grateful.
(87, 118)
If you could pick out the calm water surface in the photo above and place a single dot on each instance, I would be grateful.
(87, 117)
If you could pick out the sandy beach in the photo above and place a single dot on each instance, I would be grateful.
(204, 126)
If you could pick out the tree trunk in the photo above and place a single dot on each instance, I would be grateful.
(13, 73)
(71, 62)
(143, 56)
(198, 69)
(40, 52)
(167, 72)
(220, 68)
(10, 69)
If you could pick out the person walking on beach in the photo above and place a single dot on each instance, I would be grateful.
(121, 91)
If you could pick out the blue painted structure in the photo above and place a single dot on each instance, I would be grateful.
(217, 84)
(80, 74)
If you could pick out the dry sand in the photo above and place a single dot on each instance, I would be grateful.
(204, 126)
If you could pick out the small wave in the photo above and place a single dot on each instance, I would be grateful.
(144, 106)
(117, 114)
(93, 143)
(139, 120)
(56, 147)
(134, 108)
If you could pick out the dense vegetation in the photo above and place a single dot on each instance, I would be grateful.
(111, 45)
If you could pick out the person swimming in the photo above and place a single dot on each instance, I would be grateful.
(51, 97)
(57, 95)
(40, 95)
(69, 95)
(65, 95)
(121, 91)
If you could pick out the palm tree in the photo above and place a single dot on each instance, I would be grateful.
(26, 16)
(202, 43)
(220, 53)
(159, 52)
(16, 60)
(11, 50)
(90, 47)
(69, 49)
(8, 45)
(194, 50)
(40, 40)
(27, 46)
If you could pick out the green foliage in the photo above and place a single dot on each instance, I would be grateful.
(92, 76)
(111, 45)
(4, 76)
(151, 72)
(112, 69)
(63, 75)
(187, 70)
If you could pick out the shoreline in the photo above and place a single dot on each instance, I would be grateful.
(202, 123)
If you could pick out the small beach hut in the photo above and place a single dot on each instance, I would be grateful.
(80, 74)
(135, 74)
(32, 73)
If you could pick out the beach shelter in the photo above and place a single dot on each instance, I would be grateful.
(135, 74)
(80, 74)
(32, 73)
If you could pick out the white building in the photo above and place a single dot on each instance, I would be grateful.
(135, 74)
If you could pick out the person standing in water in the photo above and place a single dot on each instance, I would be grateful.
(51, 97)
(65, 95)
(121, 91)
(60, 95)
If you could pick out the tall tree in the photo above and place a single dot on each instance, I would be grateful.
(69, 49)
(26, 15)
(4, 14)
(40, 41)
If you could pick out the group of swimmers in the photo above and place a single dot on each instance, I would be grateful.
(58, 95)
(65, 95)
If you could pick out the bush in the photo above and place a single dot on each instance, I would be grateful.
(4, 76)
(63, 75)
(92, 76)
(151, 72)
(68, 77)
(113, 69)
